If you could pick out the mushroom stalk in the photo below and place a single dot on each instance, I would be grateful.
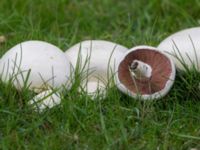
(140, 70)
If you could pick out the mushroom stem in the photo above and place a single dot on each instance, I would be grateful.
(140, 70)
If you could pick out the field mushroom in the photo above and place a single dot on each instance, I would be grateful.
(97, 59)
(144, 72)
(40, 64)
(183, 47)
(36, 65)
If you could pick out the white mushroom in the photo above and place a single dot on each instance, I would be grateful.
(39, 66)
(183, 47)
(144, 72)
(35, 64)
(97, 59)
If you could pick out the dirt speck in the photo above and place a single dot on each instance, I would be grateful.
(2, 39)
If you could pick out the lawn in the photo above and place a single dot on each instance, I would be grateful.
(118, 121)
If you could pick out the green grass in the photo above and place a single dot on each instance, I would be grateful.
(118, 121)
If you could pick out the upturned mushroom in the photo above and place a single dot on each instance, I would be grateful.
(145, 73)
(183, 47)
(97, 59)
(36, 65)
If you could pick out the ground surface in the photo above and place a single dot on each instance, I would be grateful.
(118, 122)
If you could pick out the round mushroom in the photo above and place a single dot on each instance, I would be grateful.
(96, 59)
(144, 72)
(36, 64)
(183, 47)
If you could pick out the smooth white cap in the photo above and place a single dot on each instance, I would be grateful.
(44, 64)
(185, 45)
(96, 59)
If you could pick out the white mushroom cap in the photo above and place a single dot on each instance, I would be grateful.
(184, 45)
(45, 100)
(44, 64)
(97, 58)
(144, 72)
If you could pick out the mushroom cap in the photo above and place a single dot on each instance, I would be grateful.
(43, 64)
(184, 45)
(99, 55)
(97, 59)
(161, 80)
